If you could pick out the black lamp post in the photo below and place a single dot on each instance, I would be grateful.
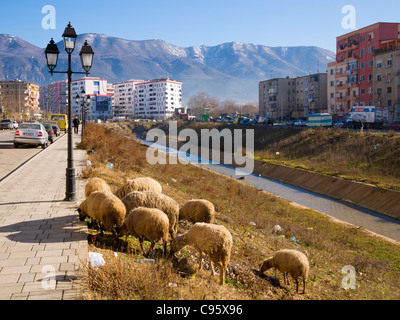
(86, 54)
(85, 104)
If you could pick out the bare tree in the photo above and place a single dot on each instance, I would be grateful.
(203, 103)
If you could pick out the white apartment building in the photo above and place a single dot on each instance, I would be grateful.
(99, 91)
(157, 99)
(124, 98)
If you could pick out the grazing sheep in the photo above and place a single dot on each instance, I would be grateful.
(139, 184)
(149, 223)
(151, 199)
(291, 262)
(197, 211)
(96, 184)
(106, 209)
(213, 240)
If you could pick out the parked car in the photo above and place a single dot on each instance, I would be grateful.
(6, 124)
(50, 132)
(339, 124)
(15, 125)
(31, 133)
(299, 123)
(393, 126)
(56, 128)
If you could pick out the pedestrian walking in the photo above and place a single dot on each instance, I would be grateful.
(76, 125)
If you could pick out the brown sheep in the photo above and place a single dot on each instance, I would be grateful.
(150, 199)
(197, 211)
(106, 209)
(291, 262)
(214, 240)
(96, 184)
(149, 223)
(138, 184)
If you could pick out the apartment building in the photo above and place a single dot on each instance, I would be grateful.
(158, 99)
(387, 81)
(124, 98)
(19, 99)
(286, 98)
(277, 98)
(54, 98)
(354, 65)
(98, 89)
(331, 89)
(311, 95)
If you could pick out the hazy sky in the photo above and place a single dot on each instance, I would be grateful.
(193, 23)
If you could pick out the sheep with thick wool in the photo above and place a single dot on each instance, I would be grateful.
(291, 262)
(106, 209)
(96, 184)
(149, 223)
(214, 240)
(138, 184)
(197, 211)
(151, 199)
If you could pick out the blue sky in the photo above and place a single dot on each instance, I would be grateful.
(193, 23)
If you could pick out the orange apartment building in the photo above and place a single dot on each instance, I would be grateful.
(351, 77)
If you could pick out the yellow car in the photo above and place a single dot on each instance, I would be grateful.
(61, 119)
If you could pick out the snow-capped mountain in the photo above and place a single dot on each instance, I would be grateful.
(230, 70)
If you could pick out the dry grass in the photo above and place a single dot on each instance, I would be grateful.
(250, 216)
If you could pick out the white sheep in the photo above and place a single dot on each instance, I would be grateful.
(151, 199)
(214, 240)
(96, 184)
(105, 208)
(138, 184)
(291, 262)
(197, 211)
(149, 223)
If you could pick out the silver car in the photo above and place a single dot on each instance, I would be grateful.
(31, 133)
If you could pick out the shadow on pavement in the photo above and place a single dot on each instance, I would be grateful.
(51, 230)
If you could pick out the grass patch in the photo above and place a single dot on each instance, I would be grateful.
(250, 215)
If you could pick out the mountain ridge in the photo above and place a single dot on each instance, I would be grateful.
(231, 70)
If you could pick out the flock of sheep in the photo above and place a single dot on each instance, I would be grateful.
(140, 209)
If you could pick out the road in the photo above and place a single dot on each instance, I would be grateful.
(10, 157)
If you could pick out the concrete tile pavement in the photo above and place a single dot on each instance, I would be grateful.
(42, 241)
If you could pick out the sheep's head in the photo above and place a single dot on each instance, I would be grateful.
(82, 215)
(123, 231)
(177, 244)
(268, 264)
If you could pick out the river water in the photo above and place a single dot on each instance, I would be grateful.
(360, 217)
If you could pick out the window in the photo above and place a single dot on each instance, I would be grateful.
(362, 65)
(379, 77)
(389, 89)
(362, 91)
(379, 64)
(371, 49)
(371, 63)
(362, 52)
(388, 63)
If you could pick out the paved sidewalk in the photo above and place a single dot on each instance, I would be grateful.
(42, 241)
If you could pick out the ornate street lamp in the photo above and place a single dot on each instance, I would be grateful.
(85, 104)
(86, 54)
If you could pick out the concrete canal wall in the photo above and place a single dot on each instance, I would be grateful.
(367, 196)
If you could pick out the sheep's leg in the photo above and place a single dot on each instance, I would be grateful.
(212, 267)
(297, 286)
(287, 279)
(151, 248)
(165, 248)
(222, 270)
(304, 285)
(141, 240)
(201, 258)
